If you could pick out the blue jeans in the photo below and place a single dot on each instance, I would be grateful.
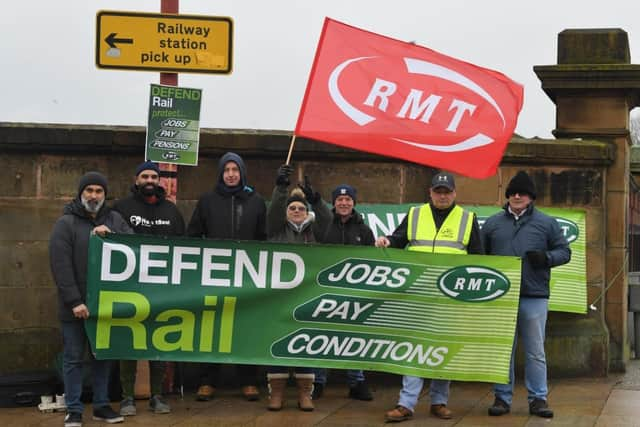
(412, 386)
(532, 319)
(354, 376)
(74, 341)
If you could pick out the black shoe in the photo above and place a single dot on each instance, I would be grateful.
(73, 419)
(499, 407)
(318, 389)
(360, 391)
(540, 408)
(107, 415)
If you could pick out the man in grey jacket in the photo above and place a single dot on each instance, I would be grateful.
(523, 231)
(68, 248)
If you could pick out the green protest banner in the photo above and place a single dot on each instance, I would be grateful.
(404, 312)
(173, 127)
(568, 282)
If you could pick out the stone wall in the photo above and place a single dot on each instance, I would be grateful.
(42, 163)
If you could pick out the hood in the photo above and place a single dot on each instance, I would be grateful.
(232, 157)
(306, 223)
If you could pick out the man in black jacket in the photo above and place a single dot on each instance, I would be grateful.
(68, 249)
(147, 211)
(233, 210)
(346, 227)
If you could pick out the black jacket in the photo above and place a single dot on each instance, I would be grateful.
(352, 232)
(68, 252)
(237, 213)
(240, 216)
(161, 218)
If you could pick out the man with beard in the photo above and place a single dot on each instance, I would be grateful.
(147, 211)
(232, 210)
(68, 248)
(440, 227)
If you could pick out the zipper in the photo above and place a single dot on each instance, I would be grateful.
(233, 216)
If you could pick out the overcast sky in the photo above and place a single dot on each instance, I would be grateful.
(48, 73)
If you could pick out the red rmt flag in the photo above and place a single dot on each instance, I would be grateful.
(372, 93)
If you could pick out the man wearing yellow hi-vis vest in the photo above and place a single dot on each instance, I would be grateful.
(439, 226)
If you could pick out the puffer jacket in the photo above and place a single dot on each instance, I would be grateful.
(68, 252)
(502, 234)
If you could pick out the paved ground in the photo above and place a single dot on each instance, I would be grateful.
(613, 401)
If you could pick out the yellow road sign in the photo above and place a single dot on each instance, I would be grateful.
(159, 42)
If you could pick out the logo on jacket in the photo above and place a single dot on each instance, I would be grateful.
(137, 220)
(473, 284)
(446, 232)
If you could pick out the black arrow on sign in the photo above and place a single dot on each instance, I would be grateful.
(112, 40)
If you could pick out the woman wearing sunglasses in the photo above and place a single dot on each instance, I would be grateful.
(289, 220)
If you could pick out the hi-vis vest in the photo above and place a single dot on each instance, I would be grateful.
(452, 238)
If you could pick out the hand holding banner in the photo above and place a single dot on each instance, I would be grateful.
(336, 306)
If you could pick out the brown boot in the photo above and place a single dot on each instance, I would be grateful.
(305, 387)
(441, 411)
(277, 384)
(251, 393)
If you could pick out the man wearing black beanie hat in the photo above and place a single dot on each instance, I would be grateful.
(522, 184)
(68, 248)
(147, 211)
(523, 231)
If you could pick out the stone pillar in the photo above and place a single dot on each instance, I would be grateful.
(594, 87)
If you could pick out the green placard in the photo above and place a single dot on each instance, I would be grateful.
(398, 311)
(568, 282)
(173, 128)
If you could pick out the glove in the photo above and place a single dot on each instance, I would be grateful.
(537, 259)
(283, 175)
(311, 196)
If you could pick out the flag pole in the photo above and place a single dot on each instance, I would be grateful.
(293, 142)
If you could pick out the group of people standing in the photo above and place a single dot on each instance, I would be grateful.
(234, 210)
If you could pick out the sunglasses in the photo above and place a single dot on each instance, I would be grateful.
(297, 208)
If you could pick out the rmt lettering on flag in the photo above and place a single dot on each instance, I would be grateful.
(376, 94)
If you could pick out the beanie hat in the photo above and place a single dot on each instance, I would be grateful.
(297, 196)
(148, 166)
(92, 178)
(343, 190)
(522, 184)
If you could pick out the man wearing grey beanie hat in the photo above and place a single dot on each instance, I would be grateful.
(90, 202)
